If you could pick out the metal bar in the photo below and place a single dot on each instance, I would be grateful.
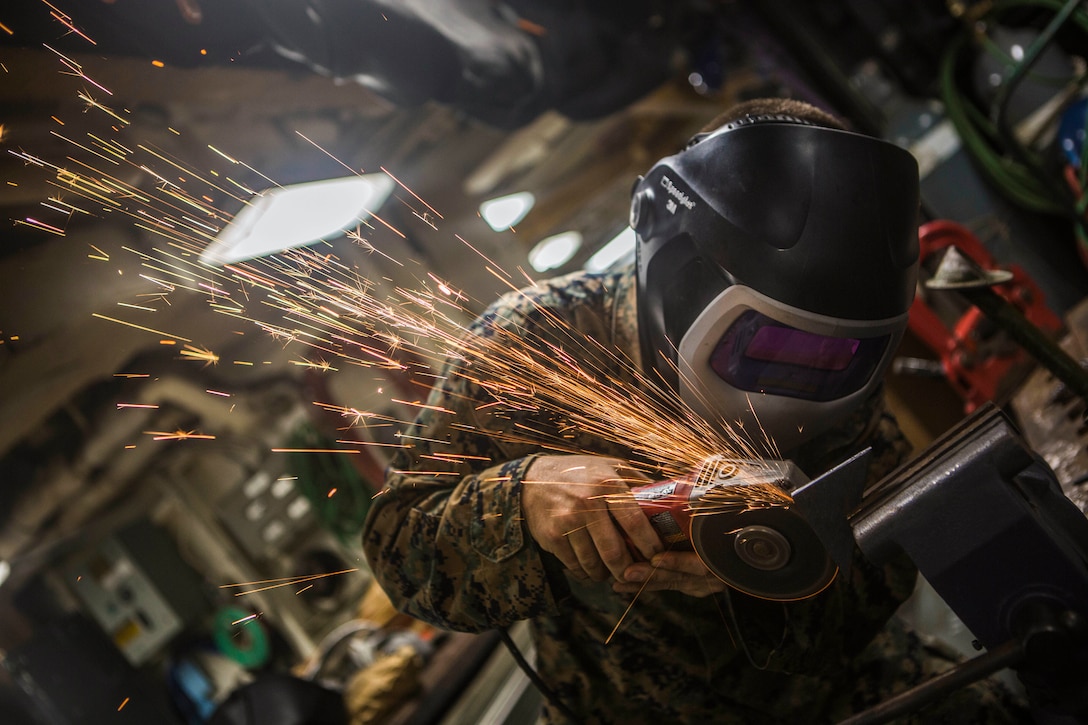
(971, 671)
(1042, 348)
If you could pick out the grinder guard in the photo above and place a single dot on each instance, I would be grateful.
(777, 552)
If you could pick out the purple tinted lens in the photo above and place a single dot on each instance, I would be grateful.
(797, 347)
(761, 355)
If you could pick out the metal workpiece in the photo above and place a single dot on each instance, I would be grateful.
(826, 502)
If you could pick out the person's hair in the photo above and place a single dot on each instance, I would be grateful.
(775, 107)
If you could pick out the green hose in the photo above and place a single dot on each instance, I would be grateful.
(1021, 182)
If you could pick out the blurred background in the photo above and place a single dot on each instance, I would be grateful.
(150, 447)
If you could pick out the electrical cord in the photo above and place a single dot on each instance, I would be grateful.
(536, 679)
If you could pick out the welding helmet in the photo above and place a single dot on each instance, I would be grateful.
(776, 265)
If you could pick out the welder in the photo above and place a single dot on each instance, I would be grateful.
(775, 265)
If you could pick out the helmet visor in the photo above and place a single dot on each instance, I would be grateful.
(761, 355)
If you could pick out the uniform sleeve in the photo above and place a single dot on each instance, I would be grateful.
(446, 538)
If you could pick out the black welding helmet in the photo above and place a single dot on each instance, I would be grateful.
(776, 266)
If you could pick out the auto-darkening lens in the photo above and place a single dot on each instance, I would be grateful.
(760, 355)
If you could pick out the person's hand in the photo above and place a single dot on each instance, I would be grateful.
(579, 508)
(681, 571)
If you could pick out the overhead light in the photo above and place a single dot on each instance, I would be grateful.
(504, 212)
(5, 571)
(621, 246)
(297, 215)
(555, 251)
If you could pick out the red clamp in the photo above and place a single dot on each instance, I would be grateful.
(978, 359)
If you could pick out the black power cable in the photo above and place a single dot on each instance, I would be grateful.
(534, 676)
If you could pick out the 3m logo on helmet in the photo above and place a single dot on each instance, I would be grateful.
(683, 199)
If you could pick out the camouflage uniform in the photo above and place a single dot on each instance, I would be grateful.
(448, 544)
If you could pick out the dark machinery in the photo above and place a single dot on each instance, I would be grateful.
(988, 526)
(979, 513)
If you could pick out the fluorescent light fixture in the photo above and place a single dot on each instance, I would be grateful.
(621, 246)
(555, 251)
(5, 571)
(505, 211)
(297, 215)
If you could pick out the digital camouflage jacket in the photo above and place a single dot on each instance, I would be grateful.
(447, 542)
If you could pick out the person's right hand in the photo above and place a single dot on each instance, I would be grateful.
(579, 507)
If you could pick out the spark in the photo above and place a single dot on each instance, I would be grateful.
(532, 28)
(461, 457)
(30, 222)
(741, 497)
(140, 327)
(319, 148)
(122, 705)
(178, 435)
(357, 237)
(76, 70)
(66, 20)
(283, 581)
(198, 353)
(388, 225)
(630, 605)
(72, 209)
(421, 406)
(377, 444)
(322, 365)
(150, 406)
(313, 450)
(402, 185)
(228, 158)
(481, 254)
(248, 618)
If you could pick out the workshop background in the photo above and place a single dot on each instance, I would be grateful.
(164, 542)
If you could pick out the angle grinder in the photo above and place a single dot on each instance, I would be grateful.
(751, 522)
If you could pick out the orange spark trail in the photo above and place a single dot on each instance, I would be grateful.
(283, 581)
(390, 175)
(178, 435)
(313, 450)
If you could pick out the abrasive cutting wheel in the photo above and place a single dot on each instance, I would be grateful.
(771, 553)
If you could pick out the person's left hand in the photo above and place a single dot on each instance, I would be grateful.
(681, 571)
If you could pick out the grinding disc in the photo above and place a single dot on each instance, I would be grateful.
(771, 553)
